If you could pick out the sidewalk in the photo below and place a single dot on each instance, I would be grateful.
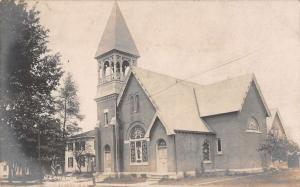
(189, 182)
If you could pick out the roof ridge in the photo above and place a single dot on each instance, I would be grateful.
(183, 81)
(229, 79)
(179, 80)
(82, 133)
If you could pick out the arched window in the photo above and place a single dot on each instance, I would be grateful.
(136, 103)
(107, 148)
(125, 66)
(161, 144)
(206, 150)
(106, 68)
(137, 132)
(117, 73)
(138, 145)
(131, 104)
(127, 70)
(253, 125)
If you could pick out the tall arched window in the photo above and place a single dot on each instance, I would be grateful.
(253, 125)
(125, 67)
(136, 103)
(117, 73)
(206, 150)
(107, 71)
(138, 145)
(131, 104)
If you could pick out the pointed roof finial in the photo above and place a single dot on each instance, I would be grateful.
(116, 35)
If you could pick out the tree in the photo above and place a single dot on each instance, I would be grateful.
(278, 147)
(82, 153)
(29, 73)
(68, 106)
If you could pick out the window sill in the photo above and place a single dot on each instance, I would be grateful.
(253, 131)
(220, 153)
(206, 162)
(139, 164)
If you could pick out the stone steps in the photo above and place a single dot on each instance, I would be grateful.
(155, 178)
(100, 177)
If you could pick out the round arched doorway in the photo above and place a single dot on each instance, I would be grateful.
(161, 156)
(107, 159)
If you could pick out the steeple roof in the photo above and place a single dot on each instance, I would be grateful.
(116, 35)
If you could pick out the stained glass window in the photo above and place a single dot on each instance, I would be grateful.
(144, 153)
(253, 124)
(138, 145)
(206, 150)
(132, 151)
(137, 132)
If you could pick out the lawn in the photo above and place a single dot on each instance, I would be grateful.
(285, 178)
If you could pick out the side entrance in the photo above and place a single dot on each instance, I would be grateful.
(161, 156)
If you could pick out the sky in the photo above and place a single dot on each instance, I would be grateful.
(188, 40)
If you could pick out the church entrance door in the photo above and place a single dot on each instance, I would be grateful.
(107, 159)
(162, 156)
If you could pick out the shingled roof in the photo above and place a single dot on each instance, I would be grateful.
(224, 96)
(116, 35)
(87, 134)
(196, 101)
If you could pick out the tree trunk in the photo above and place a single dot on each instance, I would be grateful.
(9, 172)
(65, 118)
(23, 173)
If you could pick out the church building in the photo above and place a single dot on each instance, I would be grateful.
(150, 123)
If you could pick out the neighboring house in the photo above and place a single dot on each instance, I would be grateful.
(80, 150)
(150, 123)
(275, 124)
(3, 170)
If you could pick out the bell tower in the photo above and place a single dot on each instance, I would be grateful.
(116, 55)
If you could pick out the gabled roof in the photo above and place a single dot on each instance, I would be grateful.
(87, 134)
(270, 120)
(116, 35)
(181, 104)
(227, 95)
(165, 93)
